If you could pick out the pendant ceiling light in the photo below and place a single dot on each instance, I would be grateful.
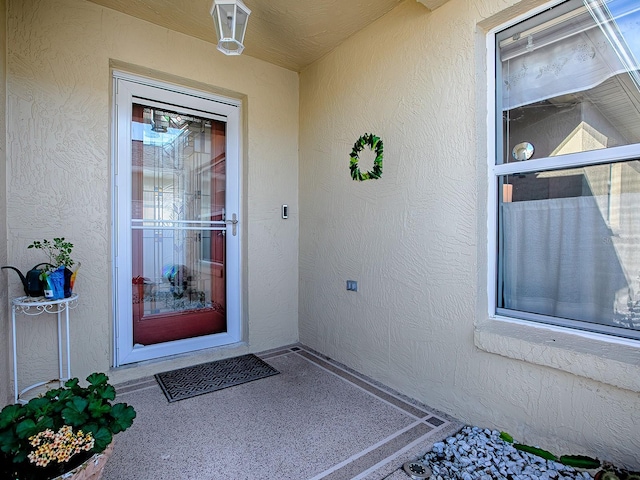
(230, 18)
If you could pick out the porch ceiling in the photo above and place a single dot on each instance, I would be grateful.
(289, 33)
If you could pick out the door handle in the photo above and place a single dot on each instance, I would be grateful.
(234, 222)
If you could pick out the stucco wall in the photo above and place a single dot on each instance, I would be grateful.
(59, 88)
(415, 240)
(5, 329)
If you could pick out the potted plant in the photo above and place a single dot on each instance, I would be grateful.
(57, 273)
(70, 428)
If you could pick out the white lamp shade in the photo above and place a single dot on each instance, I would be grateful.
(230, 18)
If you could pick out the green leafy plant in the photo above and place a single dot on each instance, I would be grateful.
(58, 251)
(536, 451)
(506, 437)
(576, 461)
(87, 409)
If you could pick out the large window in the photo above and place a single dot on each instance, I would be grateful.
(566, 176)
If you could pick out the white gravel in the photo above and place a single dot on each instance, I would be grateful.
(477, 453)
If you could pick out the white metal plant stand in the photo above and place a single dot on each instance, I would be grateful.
(33, 306)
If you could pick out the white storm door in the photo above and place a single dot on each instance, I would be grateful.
(177, 221)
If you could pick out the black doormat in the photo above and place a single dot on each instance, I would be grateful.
(208, 377)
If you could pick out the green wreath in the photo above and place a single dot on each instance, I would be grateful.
(375, 144)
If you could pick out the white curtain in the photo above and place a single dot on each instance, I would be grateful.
(559, 260)
(572, 57)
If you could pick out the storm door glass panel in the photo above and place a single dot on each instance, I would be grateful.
(178, 228)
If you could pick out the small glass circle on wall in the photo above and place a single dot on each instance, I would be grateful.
(375, 144)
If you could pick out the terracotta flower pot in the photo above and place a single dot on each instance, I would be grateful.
(91, 469)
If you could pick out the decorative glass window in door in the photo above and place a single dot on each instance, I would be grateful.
(178, 225)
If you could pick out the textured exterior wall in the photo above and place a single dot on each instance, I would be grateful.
(5, 328)
(59, 87)
(415, 240)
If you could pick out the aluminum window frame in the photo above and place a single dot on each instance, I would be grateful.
(496, 170)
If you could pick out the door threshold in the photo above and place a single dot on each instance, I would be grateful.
(148, 368)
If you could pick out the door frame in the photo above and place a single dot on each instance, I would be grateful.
(127, 87)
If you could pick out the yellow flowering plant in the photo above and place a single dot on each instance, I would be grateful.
(54, 433)
(49, 446)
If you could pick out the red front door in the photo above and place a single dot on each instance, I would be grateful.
(178, 249)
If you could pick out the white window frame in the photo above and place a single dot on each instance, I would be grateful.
(496, 170)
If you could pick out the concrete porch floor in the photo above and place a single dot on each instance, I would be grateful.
(315, 420)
